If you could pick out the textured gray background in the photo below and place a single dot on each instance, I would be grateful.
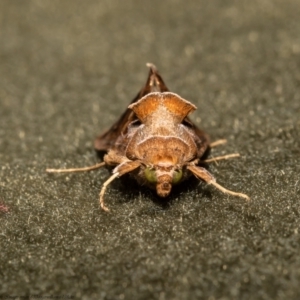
(68, 69)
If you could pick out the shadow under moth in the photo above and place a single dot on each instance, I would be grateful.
(155, 141)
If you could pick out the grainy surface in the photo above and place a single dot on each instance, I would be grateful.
(68, 69)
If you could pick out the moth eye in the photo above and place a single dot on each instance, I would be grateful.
(177, 175)
(150, 175)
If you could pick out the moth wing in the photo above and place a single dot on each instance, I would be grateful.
(107, 140)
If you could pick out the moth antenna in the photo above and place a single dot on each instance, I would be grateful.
(94, 167)
(214, 159)
(104, 187)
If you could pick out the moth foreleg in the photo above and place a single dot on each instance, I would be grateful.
(90, 168)
(121, 169)
(104, 187)
(209, 179)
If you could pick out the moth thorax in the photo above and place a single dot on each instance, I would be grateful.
(164, 185)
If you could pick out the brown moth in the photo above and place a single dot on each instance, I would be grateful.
(155, 141)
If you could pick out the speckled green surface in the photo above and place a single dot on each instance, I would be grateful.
(68, 69)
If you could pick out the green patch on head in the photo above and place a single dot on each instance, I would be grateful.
(177, 176)
(150, 175)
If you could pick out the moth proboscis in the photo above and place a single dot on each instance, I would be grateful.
(155, 141)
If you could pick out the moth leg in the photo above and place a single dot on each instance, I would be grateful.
(226, 191)
(94, 167)
(121, 169)
(214, 159)
(217, 143)
(209, 179)
(104, 186)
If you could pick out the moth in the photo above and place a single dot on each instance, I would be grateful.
(156, 142)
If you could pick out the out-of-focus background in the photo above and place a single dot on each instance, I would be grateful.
(68, 69)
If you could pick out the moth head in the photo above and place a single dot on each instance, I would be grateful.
(163, 178)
